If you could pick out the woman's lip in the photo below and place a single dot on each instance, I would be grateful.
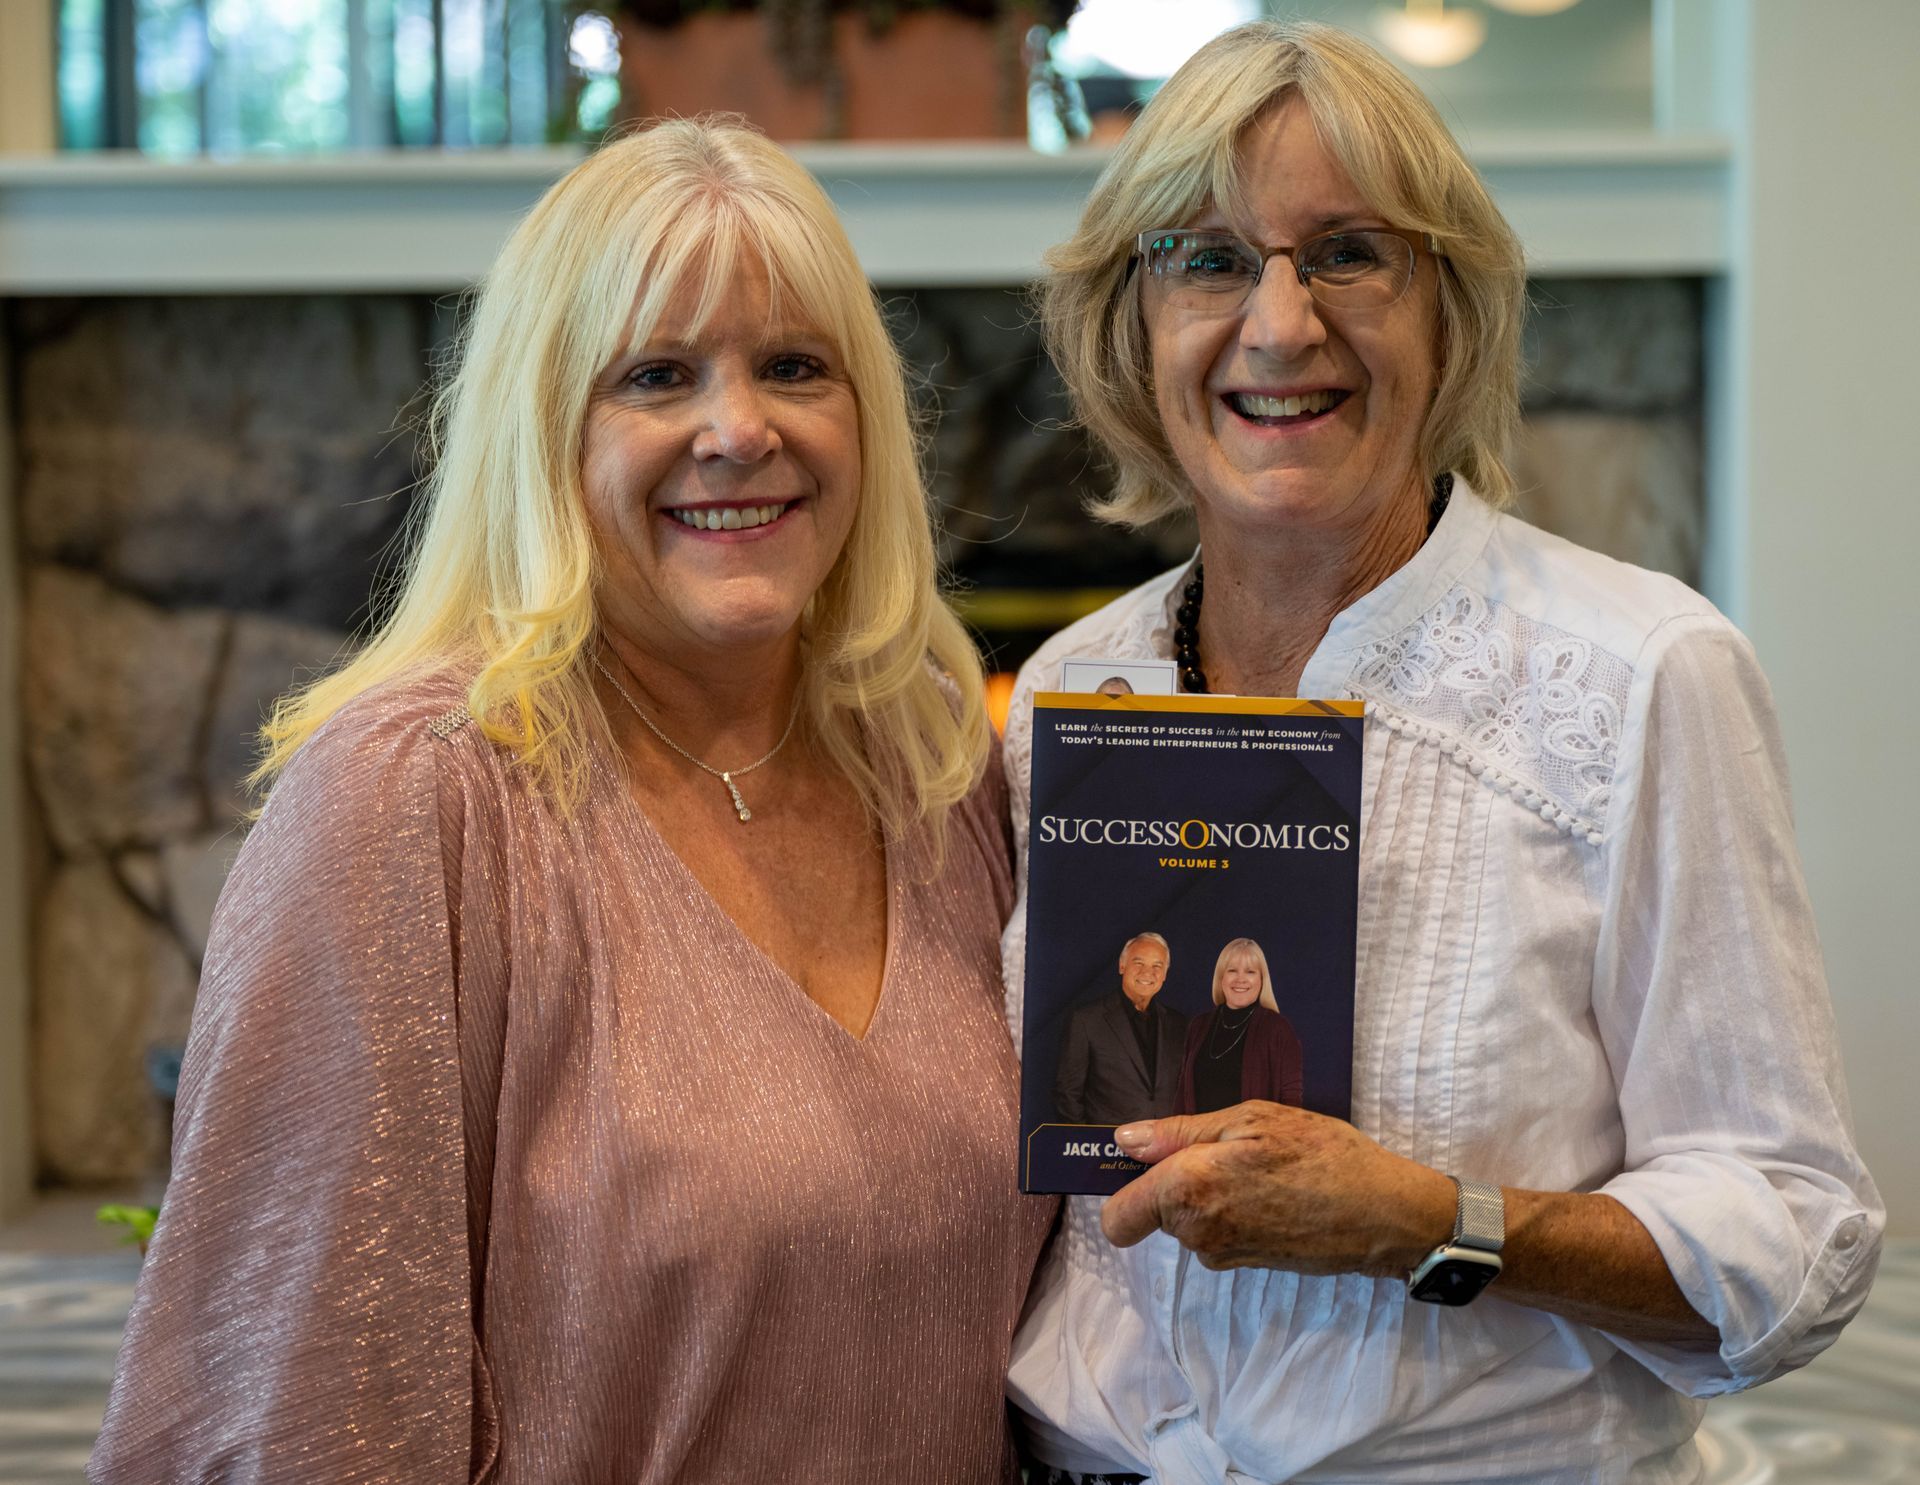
(1293, 427)
(670, 513)
(1315, 390)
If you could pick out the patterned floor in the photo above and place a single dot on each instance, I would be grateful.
(1853, 1418)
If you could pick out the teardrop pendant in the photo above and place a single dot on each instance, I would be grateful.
(738, 803)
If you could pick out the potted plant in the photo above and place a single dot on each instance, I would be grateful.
(836, 69)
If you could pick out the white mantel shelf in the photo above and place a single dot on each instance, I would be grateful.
(919, 215)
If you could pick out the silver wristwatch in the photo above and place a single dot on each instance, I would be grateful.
(1455, 1272)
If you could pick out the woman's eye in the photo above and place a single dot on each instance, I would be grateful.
(1347, 254)
(1212, 262)
(794, 368)
(654, 376)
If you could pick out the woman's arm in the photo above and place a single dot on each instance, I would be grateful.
(1742, 1230)
(304, 1311)
(1263, 1186)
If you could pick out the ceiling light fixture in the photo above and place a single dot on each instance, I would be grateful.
(1427, 34)
(1534, 7)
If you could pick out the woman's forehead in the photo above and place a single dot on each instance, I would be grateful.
(731, 296)
(1283, 172)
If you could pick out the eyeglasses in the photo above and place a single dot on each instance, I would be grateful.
(1214, 272)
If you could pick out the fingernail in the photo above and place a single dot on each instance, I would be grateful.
(1133, 1136)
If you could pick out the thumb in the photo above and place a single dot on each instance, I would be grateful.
(1156, 1139)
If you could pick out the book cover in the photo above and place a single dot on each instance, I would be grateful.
(1193, 873)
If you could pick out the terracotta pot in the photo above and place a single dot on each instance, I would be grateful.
(931, 75)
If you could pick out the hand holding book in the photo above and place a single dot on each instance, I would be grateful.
(1260, 1185)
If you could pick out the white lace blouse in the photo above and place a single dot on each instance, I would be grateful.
(1586, 963)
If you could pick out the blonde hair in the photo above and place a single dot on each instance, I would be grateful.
(1182, 156)
(1247, 949)
(502, 565)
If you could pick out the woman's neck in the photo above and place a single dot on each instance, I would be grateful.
(724, 709)
(1271, 598)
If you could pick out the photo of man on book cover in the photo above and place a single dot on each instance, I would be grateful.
(1123, 1055)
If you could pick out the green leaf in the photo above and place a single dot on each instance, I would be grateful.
(138, 1221)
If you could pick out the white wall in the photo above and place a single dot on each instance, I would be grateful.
(1817, 518)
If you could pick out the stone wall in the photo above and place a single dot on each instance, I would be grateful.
(207, 487)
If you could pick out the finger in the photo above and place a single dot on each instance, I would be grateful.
(1133, 1211)
(1156, 1139)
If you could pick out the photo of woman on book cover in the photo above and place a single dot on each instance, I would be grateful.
(1243, 1048)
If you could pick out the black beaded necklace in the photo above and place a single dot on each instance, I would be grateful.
(1186, 618)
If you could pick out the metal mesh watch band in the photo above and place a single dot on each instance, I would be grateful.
(1479, 1217)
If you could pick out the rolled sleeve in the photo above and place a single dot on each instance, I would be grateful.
(1712, 1002)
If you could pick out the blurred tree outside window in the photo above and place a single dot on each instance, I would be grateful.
(190, 77)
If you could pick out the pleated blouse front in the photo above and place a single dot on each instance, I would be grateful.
(502, 1153)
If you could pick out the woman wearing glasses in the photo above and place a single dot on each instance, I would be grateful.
(1594, 1059)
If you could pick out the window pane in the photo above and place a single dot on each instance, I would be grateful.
(278, 75)
(82, 82)
(170, 66)
(179, 77)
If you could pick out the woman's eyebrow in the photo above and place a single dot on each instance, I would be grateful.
(1335, 221)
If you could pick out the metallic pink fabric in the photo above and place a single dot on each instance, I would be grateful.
(501, 1154)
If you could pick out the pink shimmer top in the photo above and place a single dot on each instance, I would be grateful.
(501, 1154)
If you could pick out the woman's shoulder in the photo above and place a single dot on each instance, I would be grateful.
(394, 745)
(409, 713)
(1565, 589)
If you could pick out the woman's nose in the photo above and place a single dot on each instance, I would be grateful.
(739, 427)
(1281, 317)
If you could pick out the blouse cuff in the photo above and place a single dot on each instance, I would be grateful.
(1753, 1267)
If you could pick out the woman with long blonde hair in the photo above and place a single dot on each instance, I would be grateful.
(1243, 1048)
(598, 1071)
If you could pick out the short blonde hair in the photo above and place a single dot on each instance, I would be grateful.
(1248, 950)
(502, 564)
(1182, 156)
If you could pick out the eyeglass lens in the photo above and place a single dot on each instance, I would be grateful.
(1214, 271)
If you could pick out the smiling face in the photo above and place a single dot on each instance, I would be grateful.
(1288, 413)
(1143, 970)
(721, 469)
(1239, 983)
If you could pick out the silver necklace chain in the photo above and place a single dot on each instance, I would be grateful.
(725, 775)
(1240, 1036)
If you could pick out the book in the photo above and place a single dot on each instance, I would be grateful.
(1192, 901)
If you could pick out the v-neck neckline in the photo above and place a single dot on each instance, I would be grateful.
(608, 772)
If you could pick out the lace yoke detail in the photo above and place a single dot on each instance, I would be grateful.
(1531, 710)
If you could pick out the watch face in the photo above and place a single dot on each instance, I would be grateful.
(1454, 1281)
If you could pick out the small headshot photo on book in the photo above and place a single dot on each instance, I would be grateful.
(1122, 1055)
(1244, 1047)
(1110, 677)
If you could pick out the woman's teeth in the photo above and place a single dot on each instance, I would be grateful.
(1254, 405)
(731, 518)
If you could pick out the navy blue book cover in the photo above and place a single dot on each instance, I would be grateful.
(1193, 876)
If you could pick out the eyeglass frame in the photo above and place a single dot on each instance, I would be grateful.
(1419, 242)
